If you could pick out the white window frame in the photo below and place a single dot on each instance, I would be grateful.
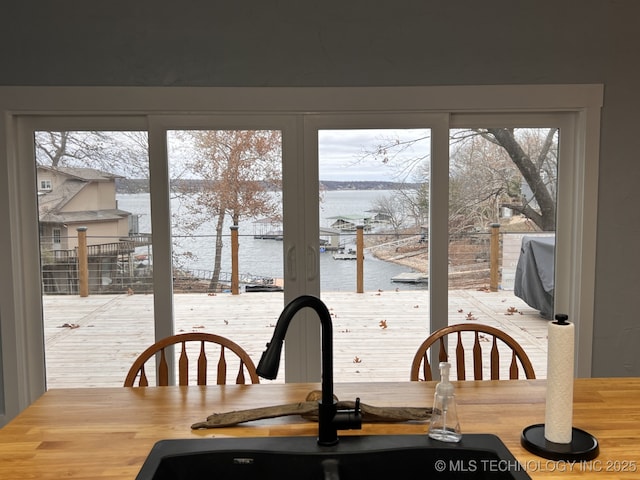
(56, 236)
(159, 125)
(438, 125)
(137, 108)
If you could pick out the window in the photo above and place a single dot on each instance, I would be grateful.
(103, 184)
(45, 184)
(373, 203)
(299, 114)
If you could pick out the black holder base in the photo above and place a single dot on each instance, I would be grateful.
(583, 445)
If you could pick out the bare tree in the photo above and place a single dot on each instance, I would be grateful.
(533, 152)
(124, 153)
(416, 199)
(487, 169)
(538, 166)
(237, 170)
(393, 208)
(481, 177)
(408, 156)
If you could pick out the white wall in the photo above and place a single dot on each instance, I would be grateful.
(359, 43)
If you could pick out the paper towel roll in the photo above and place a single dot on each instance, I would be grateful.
(559, 401)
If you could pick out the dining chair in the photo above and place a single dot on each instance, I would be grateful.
(198, 344)
(472, 336)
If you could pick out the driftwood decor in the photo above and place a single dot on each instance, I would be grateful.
(309, 410)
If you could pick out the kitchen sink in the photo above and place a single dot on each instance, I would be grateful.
(476, 456)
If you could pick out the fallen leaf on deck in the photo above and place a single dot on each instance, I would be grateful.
(69, 325)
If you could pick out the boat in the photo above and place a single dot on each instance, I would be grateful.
(263, 288)
(348, 255)
(266, 285)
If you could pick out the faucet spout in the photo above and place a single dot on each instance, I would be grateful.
(328, 420)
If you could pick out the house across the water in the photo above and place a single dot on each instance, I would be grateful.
(349, 223)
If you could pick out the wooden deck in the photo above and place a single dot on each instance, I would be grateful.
(92, 341)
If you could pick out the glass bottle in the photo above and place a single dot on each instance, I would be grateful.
(444, 425)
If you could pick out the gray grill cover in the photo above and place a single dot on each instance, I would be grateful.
(534, 282)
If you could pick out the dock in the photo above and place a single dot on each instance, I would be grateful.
(411, 277)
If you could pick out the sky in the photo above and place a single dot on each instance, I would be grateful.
(343, 153)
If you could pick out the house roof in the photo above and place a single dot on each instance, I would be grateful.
(50, 203)
(87, 216)
(348, 218)
(55, 199)
(87, 174)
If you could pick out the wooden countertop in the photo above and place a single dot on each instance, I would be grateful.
(100, 433)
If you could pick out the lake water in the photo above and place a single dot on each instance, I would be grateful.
(263, 258)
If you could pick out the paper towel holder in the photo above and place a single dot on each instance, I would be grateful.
(583, 446)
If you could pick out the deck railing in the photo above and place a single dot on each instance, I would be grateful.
(479, 259)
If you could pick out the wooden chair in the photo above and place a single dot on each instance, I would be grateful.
(479, 334)
(137, 370)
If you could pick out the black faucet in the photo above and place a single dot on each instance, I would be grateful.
(330, 419)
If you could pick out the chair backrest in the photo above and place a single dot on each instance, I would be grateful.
(478, 334)
(137, 370)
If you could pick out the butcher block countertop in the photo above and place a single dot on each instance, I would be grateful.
(100, 433)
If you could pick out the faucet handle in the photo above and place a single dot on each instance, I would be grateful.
(349, 418)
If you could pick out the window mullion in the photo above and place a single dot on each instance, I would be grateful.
(161, 228)
(439, 230)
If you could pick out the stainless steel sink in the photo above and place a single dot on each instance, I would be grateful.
(477, 456)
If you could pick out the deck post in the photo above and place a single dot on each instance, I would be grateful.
(360, 259)
(83, 262)
(494, 257)
(235, 283)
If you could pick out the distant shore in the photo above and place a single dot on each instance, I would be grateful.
(141, 185)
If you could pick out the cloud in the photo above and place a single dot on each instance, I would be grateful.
(348, 154)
